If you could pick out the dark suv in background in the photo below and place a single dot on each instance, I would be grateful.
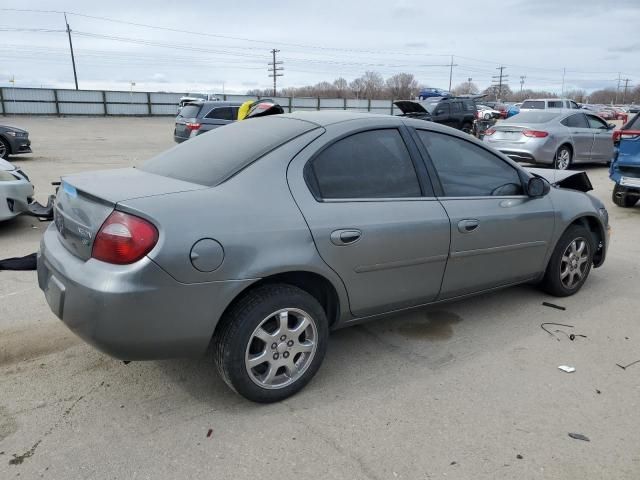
(196, 118)
(456, 112)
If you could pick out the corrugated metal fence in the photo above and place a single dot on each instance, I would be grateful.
(43, 101)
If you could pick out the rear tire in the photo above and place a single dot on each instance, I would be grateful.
(4, 149)
(621, 199)
(487, 116)
(564, 157)
(570, 262)
(468, 128)
(271, 343)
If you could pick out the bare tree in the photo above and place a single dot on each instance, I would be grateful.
(373, 85)
(402, 86)
(465, 88)
(341, 86)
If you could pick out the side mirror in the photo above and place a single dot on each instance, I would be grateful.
(611, 126)
(538, 187)
(439, 112)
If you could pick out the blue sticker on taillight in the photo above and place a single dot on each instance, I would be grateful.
(69, 190)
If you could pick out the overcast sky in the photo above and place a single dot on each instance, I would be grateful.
(320, 40)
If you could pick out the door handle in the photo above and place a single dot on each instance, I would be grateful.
(468, 225)
(345, 237)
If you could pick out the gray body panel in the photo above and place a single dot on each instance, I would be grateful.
(16, 192)
(267, 222)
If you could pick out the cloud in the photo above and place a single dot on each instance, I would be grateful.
(159, 78)
(634, 47)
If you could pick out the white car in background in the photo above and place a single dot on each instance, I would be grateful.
(16, 191)
(487, 113)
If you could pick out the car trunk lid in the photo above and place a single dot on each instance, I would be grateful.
(509, 133)
(84, 201)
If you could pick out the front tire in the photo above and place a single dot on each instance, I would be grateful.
(271, 343)
(487, 116)
(621, 199)
(4, 149)
(570, 262)
(563, 159)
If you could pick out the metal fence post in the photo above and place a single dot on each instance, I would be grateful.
(4, 108)
(55, 98)
(391, 112)
(104, 102)
(318, 103)
(290, 104)
(149, 103)
(344, 103)
(368, 105)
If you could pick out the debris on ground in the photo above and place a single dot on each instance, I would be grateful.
(519, 457)
(571, 336)
(28, 262)
(553, 305)
(209, 433)
(598, 391)
(624, 367)
(567, 368)
(579, 436)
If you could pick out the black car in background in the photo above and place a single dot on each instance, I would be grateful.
(13, 141)
(199, 117)
(456, 112)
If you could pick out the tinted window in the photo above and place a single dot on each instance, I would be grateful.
(555, 103)
(212, 158)
(533, 104)
(456, 107)
(469, 105)
(190, 111)
(576, 121)
(467, 170)
(595, 122)
(443, 109)
(634, 124)
(373, 164)
(221, 113)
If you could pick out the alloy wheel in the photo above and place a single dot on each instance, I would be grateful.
(563, 158)
(3, 149)
(574, 264)
(281, 348)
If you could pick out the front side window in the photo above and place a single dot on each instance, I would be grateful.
(443, 109)
(456, 107)
(372, 164)
(467, 170)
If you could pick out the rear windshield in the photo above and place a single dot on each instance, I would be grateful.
(533, 117)
(533, 104)
(190, 111)
(211, 158)
(634, 124)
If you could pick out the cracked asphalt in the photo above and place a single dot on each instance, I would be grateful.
(465, 390)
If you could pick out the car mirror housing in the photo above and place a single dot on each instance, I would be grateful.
(611, 126)
(537, 187)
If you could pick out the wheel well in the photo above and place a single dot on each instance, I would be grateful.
(593, 225)
(6, 142)
(315, 285)
(568, 145)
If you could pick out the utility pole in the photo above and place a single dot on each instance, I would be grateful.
(624, 93)
(564, 72)
(73, 59)
(618, 89)
(274, 69)
(522, 77)
(469, 85)
(499, 80)
(451, 65)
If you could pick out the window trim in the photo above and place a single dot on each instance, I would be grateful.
(425, 185)
(522, 175)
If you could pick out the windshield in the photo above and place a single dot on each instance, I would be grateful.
(212, 158)
(533, 117)
(533, 104)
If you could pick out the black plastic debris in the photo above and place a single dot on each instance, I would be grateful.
(553, 305)
(519, 457)
(624, 367)
(28, 262)
(209, 433)
(571, 336)
(579, 436)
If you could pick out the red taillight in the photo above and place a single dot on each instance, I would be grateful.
(617, 134)
(489, 131)
(124, 239)
(535, 133)
(192, 126)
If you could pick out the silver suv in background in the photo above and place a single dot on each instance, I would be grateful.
(196, 118)
(546, 103)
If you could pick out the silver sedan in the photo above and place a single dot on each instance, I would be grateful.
(16, 191)
(559, 138)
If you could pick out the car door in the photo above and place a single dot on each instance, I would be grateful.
(602, 149)
(499, 236)
(581, 136)
(372, 215)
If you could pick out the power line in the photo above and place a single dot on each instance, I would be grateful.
(498, 79)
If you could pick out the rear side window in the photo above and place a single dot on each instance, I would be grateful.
(555, 103)
(221, 113)
(373, 164)
(533, 104)
(467, 170)
(576, 121)
(190, 111)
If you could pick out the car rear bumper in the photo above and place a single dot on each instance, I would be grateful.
(131, 312)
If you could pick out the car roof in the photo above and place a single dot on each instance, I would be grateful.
(213, 103)
(323, 118)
